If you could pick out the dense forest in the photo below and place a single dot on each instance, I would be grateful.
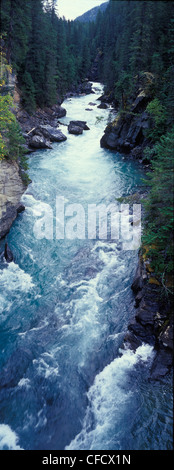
(51, 56)
(48, 53)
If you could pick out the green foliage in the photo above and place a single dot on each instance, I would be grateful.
(50, 55)
(28, 92)
(99, 119)
(11, 140)
(15, 141)
(158, 230)
(123, 88)
(6, 120)
(157, 113)
(134, 37)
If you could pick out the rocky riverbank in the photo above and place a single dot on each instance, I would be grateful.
(127, 132)
(11, 190)
(153, 319)
(39, 130)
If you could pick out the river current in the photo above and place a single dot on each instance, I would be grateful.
(66, 382)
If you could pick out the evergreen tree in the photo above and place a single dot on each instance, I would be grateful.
(159, 207)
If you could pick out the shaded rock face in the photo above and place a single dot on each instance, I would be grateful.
(102, 106)
(85, 87)
(152, 323)
(40, 129)
(11, 190)
(110, 99)
(54, 135)
(127, 133)
(46, 116)
(42, 136)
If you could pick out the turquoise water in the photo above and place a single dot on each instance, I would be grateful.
(64, 310)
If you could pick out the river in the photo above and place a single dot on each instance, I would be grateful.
(65, 306)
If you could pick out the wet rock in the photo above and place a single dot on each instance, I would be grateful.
(49, 132)
(81, 124)
(58, 111)
(138, 299)
(138, 334)
(20, 208)
(8, 255)
(152, 322)
(85, 87)
(166, 336)
(161, 364)
(102, 106)
(76, 130)
(109, 98)
(46, 116)
(146, 311)
(137, 283)
(39, 142)
(127, 133)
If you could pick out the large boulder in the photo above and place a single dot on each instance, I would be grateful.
(59, 111)
(85, 88)
(108, 98)
(102, 106)
(76, 130)
(81, 124)
(51, 133)
(39, 142)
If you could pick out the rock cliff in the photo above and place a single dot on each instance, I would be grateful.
(152, 322)
(11, 190)
(127, 133)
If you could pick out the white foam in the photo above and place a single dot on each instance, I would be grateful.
(44, 369)
(29, 199)
(13, 278)
(5, 305)
(37, 207)
(108, 398)
(24, 383)
(8, 438)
